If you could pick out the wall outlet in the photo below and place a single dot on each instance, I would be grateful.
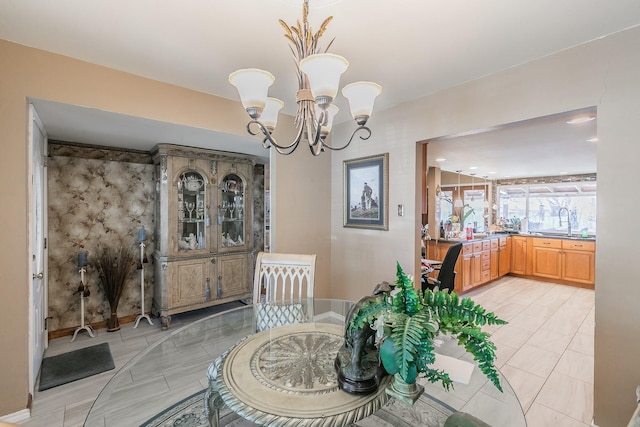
(400, 210)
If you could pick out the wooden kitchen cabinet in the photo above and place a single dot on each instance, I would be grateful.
(494, 270)
(578, 263)
(519, 255)
(566, 261)
(547, 258)
(203, 229)
(475, 264)
(504, 255)
(466, 271)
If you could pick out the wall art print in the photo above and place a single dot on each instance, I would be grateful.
(366, 192)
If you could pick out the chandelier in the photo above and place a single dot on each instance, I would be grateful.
(318, 80)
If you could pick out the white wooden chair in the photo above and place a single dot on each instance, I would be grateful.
(283, 289)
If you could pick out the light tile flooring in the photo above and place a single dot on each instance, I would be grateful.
(545, 352)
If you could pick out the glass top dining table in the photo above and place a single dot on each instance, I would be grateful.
(175, 367)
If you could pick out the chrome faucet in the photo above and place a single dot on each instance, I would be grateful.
(568, 220)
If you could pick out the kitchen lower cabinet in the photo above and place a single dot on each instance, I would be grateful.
(466, 270)
(504, 255)
(477, 264)
(578, 263)
(547, 258)
(494, 270)
(566, 261)
(519, 255)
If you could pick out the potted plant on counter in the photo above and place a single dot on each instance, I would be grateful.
(408, 321)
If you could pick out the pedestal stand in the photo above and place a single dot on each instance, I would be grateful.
(142, 315)
(87, 328)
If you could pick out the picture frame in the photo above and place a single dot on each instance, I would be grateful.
(366, 192)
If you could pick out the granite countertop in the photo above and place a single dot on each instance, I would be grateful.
(540, 235)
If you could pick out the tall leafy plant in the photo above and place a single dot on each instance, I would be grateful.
(413, 319)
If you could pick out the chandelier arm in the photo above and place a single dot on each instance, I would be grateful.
(269, 141)
(313, 130)
(362, 137)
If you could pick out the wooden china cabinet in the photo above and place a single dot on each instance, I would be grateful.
(204, 251)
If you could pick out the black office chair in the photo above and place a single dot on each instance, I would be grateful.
(446, 273)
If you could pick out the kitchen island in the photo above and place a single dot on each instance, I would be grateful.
(551, 258)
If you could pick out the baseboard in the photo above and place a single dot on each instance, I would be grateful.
(17, 417)
(97, 325)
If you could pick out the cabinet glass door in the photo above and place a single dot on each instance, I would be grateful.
(231, 212)
(191, 212)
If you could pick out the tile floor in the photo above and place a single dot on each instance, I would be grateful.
(545, 352)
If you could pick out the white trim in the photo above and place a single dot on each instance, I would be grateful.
(17, 417)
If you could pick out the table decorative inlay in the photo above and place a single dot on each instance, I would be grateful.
(285, 377)
(298, 363)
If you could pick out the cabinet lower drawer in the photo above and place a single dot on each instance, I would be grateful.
(578, 245)
(547, 243)
(486, 276)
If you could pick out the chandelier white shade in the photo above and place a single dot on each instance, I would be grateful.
(270, 113)
(253, 85)
(323, 71)
(331, 113)
(318, 83)
(361, 96)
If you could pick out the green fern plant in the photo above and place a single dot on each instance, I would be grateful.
(413, 319)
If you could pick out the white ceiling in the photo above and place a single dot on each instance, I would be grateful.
(412, 48)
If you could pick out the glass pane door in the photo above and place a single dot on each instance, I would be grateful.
(231, 211)
(191, 212)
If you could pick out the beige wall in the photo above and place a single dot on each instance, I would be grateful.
(604, 73)
(300, 219)
(26, 72)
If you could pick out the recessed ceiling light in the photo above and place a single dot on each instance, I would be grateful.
(593, 139)
(441, 159)
(563, 173)
(473, 168)
(492, 172)
(582, 119)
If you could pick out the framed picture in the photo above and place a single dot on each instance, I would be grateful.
(366, 192)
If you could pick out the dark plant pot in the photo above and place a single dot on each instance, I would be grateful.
(113, 324)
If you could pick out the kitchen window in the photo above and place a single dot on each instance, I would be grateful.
(549, 208)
